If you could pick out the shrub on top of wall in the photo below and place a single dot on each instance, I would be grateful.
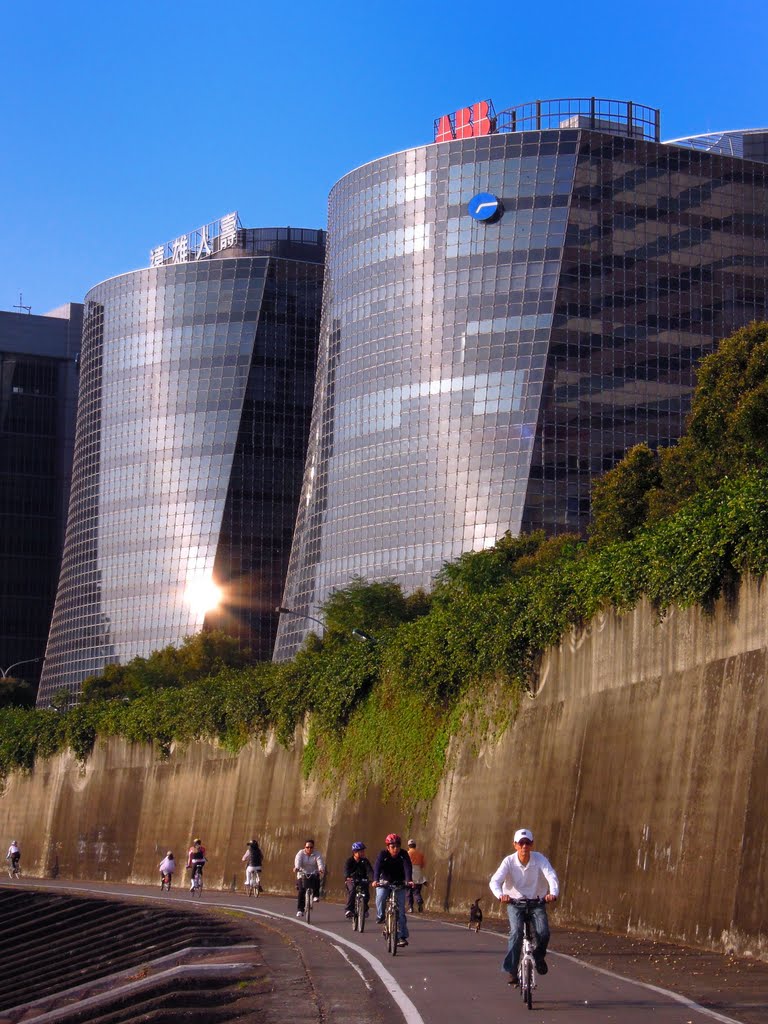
(403, 694)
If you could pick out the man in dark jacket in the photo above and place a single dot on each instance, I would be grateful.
(393, 867)
(357, 871)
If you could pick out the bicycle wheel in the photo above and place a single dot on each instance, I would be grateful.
(388, 922)
(308, 894)
(528, 983)
(394, 914)
(360, 912)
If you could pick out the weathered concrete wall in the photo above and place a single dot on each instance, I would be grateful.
(641, 766)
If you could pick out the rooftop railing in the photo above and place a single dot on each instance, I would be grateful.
(616, 117)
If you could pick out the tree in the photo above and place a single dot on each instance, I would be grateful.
(475, 572)
(16, 693)
(726, 435)
(620, 497)
(370, 607)
(199, 656)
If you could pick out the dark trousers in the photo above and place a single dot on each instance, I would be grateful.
(350, 884)
(305, 885)
(414, 892)
(539, 926)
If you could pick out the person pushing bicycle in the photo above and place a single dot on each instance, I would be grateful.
(525, 875)
(393, 867)
(418, 861)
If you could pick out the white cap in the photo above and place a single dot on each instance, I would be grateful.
(523, 833)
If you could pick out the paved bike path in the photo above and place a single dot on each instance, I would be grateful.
(451, 975)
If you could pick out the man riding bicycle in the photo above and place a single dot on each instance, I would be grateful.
(13, 857)
(357, 872)
(393, 867)
(310, 868)
(525, 875)
(253, 858)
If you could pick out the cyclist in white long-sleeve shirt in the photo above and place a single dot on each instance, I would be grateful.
(13, 857)
(525, 875)
(312, 863)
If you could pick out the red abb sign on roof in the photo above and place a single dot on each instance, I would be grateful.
(479, 119)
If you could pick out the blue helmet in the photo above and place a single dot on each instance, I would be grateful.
(357, 846)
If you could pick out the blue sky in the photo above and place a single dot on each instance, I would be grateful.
(125, 126)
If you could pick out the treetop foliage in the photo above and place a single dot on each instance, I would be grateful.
(727, 435)
(198, 656)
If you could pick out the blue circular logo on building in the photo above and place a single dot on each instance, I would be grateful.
(483, 206)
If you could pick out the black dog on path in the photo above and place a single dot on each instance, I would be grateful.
(475, 915)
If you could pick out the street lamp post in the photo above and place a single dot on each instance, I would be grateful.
(301, 615)
(4, 672)
(360, 634)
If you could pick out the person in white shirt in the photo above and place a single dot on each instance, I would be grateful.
(313, 866)
(13, 857)
(167, 866)
(525, 875)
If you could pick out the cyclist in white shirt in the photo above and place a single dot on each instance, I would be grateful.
(13, 857)
(525, 875)
(313, 864)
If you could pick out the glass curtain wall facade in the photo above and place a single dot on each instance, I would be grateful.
(193, 415)
(474, 377)
(38, 399)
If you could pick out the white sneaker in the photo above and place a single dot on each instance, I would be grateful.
(299, 913)
(315, 899)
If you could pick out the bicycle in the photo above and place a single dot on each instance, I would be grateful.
(197, 880)
(165, 881)
(14, 871)
(252, 882)
(310, 887)
(392, 917)
(358, 914)
(526, 969)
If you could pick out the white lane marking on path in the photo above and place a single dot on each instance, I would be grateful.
(688, 1003)
(410, 1014)
(354, 967)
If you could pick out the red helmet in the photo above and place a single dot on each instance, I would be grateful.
(393, 837)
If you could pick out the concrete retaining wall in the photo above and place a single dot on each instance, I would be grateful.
(641, 766)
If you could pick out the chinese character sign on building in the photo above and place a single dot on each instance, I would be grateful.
(198, 244)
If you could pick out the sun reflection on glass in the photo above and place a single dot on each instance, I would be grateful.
(202, 594)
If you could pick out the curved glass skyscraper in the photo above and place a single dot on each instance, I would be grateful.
(506, 312)
(193, 414)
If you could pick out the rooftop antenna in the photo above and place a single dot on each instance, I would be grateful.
(20, 305)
